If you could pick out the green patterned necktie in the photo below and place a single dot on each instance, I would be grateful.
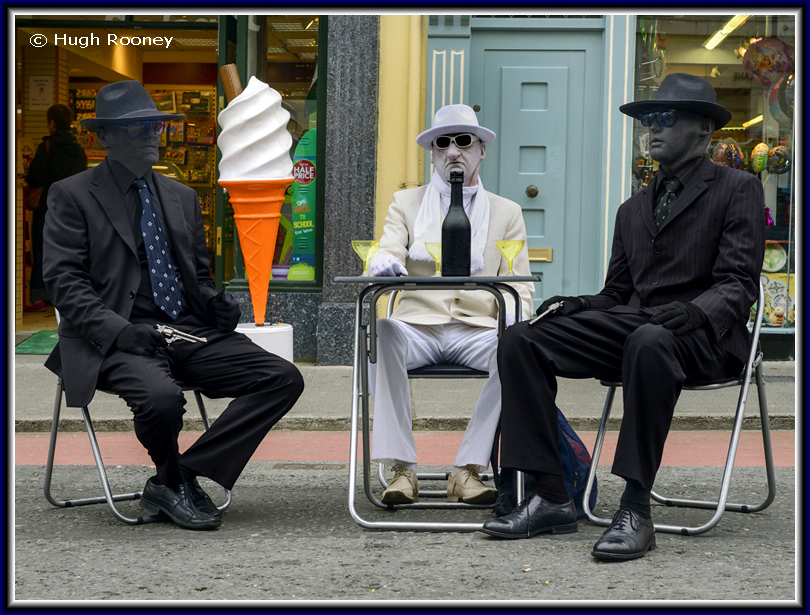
(667, 200)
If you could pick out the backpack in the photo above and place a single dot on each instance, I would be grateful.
(576, 463)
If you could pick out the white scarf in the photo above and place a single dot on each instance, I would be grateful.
(435, 204)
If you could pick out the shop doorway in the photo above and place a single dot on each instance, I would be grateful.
(541, 92)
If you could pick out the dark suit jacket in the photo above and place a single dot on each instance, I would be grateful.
(91, 269)
(708, 251)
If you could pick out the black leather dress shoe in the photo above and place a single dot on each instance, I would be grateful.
(628, 537)
(534, 516)
(202, 500)
(176, 503)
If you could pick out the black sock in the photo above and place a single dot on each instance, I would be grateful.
(550, 487)
(186, 474)
(636, 498)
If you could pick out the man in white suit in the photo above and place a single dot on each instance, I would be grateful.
(443, 326)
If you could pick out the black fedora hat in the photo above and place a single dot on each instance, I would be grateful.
(686, 92)
(125, 101)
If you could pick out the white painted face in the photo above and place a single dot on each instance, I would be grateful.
(454, 158)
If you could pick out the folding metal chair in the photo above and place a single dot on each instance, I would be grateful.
(365, 350)
(108, 496)
(751, 372)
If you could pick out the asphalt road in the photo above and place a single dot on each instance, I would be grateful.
(288, 536)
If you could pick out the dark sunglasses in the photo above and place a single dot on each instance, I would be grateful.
(462, 141)
(665, 118)
(136, 130)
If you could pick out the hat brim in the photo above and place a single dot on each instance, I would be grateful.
(426, 138)
(718, 113)
(92, 123)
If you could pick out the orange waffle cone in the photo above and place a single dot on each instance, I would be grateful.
(256, 212)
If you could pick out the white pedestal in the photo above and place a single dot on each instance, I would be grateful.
(273, 337)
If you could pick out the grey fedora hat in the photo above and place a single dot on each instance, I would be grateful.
(685, 92)
(125, 101)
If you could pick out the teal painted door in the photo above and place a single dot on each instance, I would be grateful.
(541, 93)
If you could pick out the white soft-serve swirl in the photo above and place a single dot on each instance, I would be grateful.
(254, 140)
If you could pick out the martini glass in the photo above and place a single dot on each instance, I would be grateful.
(434, 248)
(365, 249)
(510, 249)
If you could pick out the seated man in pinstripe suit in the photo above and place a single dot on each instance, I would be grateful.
(683, 273)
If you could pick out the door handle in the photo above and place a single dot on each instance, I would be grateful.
(531, 191)
(540, 255)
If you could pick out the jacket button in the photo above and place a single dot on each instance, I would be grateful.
(658, 249)
(457, 300)
(131, 295)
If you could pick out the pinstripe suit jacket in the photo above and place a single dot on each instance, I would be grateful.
(708, 252)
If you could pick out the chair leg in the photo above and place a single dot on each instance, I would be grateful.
(769, 467)
(108, 497)
(597, 452)
(207, 424)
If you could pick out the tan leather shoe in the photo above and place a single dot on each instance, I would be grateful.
(466, 486)
(404, 489)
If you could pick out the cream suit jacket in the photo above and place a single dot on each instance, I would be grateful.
(434, 307)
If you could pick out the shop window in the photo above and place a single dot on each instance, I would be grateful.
(285, 56)
(749, 61)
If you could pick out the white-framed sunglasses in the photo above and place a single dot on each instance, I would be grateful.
(462, 141)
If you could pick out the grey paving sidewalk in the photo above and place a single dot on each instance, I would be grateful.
(437, 405)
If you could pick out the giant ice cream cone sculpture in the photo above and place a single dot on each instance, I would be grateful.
(256, 170)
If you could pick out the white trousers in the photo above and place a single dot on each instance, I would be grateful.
(401, 347)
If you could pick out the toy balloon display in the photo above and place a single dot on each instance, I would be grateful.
(718, 154)
(778, 160)
(780, 101)
(759, 158)
(735, 158)
(767, 59)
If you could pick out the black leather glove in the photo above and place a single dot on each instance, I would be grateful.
(571, 305)
(226, 311)
(140, 339)
(682, 317)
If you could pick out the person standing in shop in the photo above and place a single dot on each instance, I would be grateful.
(57, 157)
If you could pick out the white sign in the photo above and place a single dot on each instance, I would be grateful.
(40, 93)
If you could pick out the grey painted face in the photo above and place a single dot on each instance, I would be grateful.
(137, 155)
(674, 146)
(453, 158)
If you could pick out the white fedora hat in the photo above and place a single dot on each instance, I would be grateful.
(451, 120)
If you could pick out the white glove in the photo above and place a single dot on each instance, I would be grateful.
(387, 266)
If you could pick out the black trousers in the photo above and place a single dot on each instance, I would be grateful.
(653, 363)
(263, 385)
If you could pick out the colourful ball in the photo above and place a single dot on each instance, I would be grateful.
(778, 160)
(759, 158)
(718, 154)
(735, 157)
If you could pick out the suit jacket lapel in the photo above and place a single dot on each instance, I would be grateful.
(108, 195)
(692, 190)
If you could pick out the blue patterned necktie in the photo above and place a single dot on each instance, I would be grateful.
(165, 289)
(667, 200)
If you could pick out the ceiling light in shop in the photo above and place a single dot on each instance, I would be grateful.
(301, 42)
(196, 42)
(276, 50)
(287, 26)
(307, 56)
(715, 39)
(752, 121)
